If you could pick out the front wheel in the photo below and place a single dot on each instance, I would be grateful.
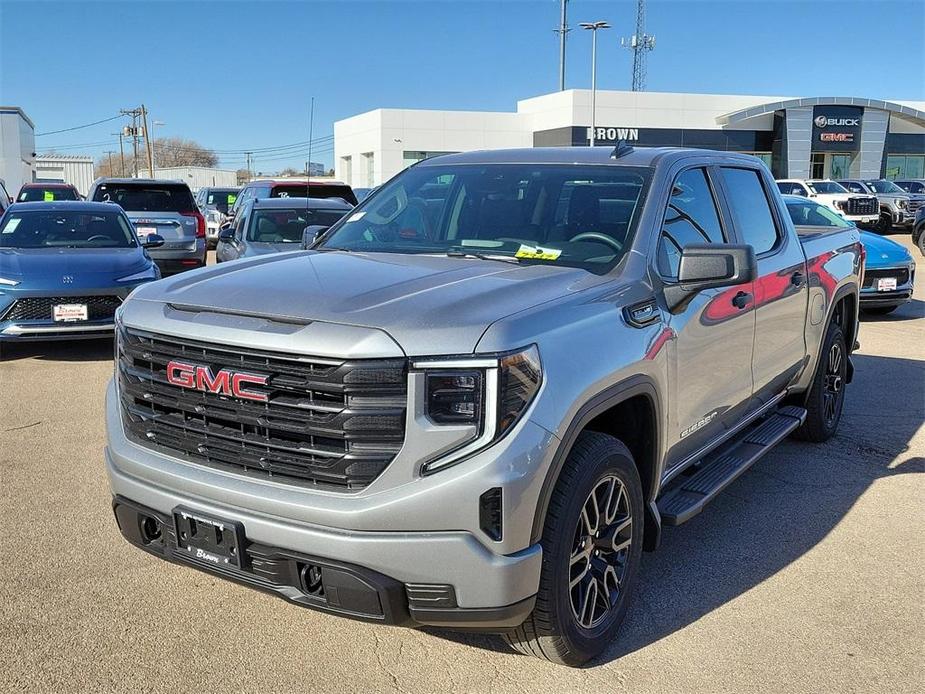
(592, 545)
(884, 224)
(827, 394)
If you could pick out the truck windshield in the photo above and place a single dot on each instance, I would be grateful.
(827, 187)
(573, 215)
(52, 229)
(885, 187)
(286, 226)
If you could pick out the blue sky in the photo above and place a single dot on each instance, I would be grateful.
(239, 75)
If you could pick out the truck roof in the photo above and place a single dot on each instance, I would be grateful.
(632, 156)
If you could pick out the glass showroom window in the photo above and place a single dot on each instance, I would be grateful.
(905, 166)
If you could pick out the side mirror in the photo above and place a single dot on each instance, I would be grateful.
(153, 241)
(709, 266)
(312, 233)
(226, 234)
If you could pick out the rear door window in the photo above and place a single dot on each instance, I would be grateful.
(750, 208)
(691, 218)
(147, 198)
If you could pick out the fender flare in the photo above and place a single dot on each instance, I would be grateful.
(597, 404)
(844, 291)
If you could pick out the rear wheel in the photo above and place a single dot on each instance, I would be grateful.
(592, 544)
(827, 394)
(920, 241)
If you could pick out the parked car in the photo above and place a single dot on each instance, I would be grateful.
(47, 192)
(918, 230)
(475, 414)
(272, 225)
(889, 270)
(912, 185)
(860, 209)
(65, 267)
(293, 189)
(164, 208)
(896, 206)
(215, 204)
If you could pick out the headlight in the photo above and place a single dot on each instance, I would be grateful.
(149, 273)
(840, 204)
(471, 404)
(8, 283)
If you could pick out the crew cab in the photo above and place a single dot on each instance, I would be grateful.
(860, 209)
(481, 394)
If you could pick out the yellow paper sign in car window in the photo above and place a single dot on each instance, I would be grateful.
(232, 198)
(48, 196)
(537, 253)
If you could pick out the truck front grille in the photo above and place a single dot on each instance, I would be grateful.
(863, 205)
(324, 422)
(915, 204)
(42, 307)
(900, 273)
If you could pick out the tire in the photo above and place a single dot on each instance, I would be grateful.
(920, 241)
(601, 465)
(884, 224)
(880, 310)
(826, 398)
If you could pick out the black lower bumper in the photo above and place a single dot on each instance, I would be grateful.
(330, 586)
(884, 299)
(171, 266)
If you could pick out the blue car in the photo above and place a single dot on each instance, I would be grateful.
(65, 267)
(889, 271)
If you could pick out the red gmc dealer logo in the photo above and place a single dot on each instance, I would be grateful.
(225, 382)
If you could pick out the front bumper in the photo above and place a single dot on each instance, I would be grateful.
(871, 298)
(186, 256)
(423, 532)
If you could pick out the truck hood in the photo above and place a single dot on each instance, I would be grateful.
(429, 305)
(254, 248)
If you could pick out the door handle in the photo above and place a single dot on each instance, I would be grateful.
(741, 299)
(797, 279)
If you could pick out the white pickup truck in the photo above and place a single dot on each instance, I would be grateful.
(860, 209)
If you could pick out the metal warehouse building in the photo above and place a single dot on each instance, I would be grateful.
(196, 177)
(17, 147)
(798, 137)
(74, 169)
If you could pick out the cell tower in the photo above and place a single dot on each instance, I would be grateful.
(640, 43)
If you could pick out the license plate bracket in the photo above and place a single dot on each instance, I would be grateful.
(69, 313)
(886, 284)
(208, 539)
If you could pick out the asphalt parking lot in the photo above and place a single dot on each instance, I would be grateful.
(808, 574)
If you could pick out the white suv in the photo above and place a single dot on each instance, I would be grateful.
(860, 209)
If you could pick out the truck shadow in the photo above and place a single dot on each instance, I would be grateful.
(99, 349)
(911, 310)
(772, 515)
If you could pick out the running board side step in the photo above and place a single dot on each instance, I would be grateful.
(687, 497)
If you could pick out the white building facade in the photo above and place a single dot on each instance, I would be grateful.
(798, 137)
(17, 148)
(65, 168)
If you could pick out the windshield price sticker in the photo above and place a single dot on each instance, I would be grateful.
(48, 196)
(232, 198)
(537, 253)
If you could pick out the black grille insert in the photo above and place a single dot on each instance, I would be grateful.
(863, 206)
(900, 273)
(42, 307)
(328, 422)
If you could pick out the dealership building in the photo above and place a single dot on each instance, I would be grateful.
(797, 137)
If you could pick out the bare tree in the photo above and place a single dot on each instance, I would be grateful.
(177, 151)
(289, 171)
(243, 176)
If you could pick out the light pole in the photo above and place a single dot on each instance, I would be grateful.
(154, 124)
(593, 27)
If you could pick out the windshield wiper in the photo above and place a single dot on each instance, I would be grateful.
(483, 256)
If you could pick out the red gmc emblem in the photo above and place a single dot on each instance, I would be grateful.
(224, 382)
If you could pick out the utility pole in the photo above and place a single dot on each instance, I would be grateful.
(308, 169)
(121, 154)
(640, 43)
(144, 123)
(562, 31)
(248, 155)
(110, 153)
(133, 132)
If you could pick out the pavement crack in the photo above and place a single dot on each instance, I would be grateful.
(25, 426)
(382, 666)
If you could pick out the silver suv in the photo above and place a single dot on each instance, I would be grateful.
(485, 390)
(165, 208)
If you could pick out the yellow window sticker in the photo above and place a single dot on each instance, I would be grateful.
(48, 196)
(537, 253)
(232, 198)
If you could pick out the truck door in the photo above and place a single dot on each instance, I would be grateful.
(710, 377)
(780, 290)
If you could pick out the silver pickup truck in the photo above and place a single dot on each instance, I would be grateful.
(482, 393)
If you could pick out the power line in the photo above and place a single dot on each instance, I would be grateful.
(78, 127)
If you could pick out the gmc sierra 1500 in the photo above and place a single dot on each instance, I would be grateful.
(483, 392)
